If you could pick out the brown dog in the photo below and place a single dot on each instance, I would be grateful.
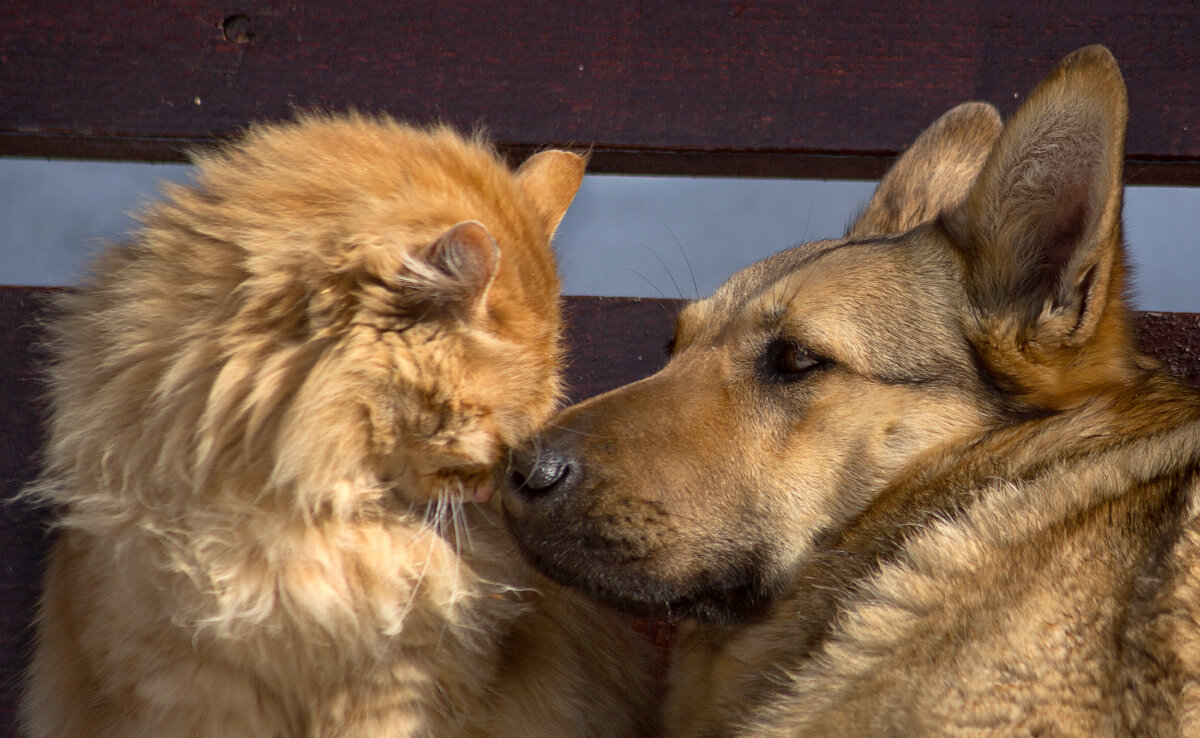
(916, 481)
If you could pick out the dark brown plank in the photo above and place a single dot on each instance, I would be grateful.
(771, 88)
(22, 529)
(612, 341)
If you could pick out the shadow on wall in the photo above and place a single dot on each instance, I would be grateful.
(633, 236)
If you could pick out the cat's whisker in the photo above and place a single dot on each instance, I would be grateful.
(415, 591)
(456, 568)
(465, 525)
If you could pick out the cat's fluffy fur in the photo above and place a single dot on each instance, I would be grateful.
(274, 415)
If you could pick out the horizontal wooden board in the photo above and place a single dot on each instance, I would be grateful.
(770, 88)
(612, 341)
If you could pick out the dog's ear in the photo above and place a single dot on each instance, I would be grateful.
(1040, 231)
(550, 180)
(454, 271)
(934, 174)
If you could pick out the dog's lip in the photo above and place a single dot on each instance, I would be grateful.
(606, 570)
(627, 583)
(651, 597)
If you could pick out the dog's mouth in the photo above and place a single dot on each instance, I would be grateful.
(731, 598)
(606, 568)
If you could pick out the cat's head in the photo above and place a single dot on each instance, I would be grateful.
(395, 322)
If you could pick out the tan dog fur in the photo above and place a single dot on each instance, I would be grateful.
(917, 481)
(271, 412)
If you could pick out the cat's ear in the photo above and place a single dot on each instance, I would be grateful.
(455, 271)
(550, 180)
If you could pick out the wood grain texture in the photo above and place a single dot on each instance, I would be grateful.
(770, 88)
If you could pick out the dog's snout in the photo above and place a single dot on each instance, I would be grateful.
(536, 472)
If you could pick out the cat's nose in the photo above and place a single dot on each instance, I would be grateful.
(539, 470)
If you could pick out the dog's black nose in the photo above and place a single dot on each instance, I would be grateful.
(534, 472)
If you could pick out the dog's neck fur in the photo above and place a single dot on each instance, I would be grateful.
(858, 599)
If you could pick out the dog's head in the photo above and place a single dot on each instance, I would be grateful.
(982, 283)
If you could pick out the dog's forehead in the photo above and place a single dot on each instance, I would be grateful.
(779, 278)
(752, 280)
(885, 305)
(755, 278)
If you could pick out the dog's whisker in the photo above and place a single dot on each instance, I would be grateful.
(647, 281)
(578, 432)
(666, 269)
(808, 219)
(686, 260)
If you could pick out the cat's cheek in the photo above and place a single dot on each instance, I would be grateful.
(483, 491)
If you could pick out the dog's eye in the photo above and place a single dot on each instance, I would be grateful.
(786, 361)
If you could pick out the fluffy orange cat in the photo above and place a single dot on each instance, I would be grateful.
(276, 412)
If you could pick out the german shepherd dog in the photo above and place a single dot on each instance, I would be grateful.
(915, 481)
